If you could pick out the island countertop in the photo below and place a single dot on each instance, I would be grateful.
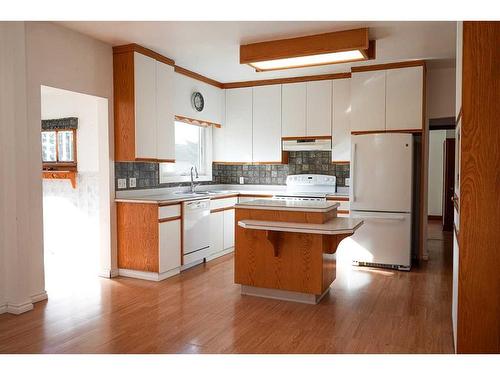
(287, 205)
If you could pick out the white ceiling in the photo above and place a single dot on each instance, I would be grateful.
(212, 48)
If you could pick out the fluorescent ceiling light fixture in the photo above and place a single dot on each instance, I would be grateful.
(312, 50)
(296, 62)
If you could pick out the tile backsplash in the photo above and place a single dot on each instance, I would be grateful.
(299, 162)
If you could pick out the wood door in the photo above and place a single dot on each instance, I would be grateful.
(448, 182)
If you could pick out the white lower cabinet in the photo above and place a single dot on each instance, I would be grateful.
(216, 232)
(228, 229)
(170, 245)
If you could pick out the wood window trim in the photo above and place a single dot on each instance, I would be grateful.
(62, 165)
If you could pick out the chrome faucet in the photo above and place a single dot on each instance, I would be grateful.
(193, 176)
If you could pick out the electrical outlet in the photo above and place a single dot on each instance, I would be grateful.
(242, 180)
(347, 182)
(132, 182)
(122, 183)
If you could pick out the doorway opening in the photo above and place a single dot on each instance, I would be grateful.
(441, 175)
(75, 160)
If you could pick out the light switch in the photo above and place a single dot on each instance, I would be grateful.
(122, 183)
(132, 182)
(347, 182)
(242, 180)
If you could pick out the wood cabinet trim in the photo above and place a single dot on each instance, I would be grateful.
(411, 131)
(215, 210)
(133, 47)
(173, 218)
(338, 199)
(199, 77)
(306, 137)
(395, 65)
(277, 81)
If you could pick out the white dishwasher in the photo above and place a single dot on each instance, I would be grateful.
(196, 230)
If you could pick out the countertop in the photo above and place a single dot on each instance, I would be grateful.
(338, 225)
(286, 205)
(171, 195)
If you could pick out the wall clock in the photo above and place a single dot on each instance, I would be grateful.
(197, 101)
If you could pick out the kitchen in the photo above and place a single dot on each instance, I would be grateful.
(291, 194)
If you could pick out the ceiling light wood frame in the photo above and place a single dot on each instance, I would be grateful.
(307, 46)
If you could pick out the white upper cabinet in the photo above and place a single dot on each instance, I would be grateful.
(293, 109)
(145, 106)
(341, 125)
(319, 108)
(237, 132)
(213, 99)
(404, 95)
(368, 101)
(165, 140)
(267, 123)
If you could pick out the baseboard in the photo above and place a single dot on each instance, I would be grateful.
(150, 276)
(108, 273)
(434, 217)
(39, 297)
(220, 253)
(3, 309)
(19, 308)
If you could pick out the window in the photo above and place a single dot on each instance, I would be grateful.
(59, 148)
(192, 148)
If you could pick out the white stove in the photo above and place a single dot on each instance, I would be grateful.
(308, 187)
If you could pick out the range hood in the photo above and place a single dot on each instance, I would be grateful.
(307, 144)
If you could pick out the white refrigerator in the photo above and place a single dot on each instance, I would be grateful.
(381, 194)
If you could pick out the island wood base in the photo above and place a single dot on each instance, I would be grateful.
(294, 266)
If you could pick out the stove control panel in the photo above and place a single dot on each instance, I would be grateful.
(310, 180)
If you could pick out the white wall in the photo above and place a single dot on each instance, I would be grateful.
(441, 92)
(35, 54)
(15, 250)
(213, 96)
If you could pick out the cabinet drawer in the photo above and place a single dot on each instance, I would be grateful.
(223, 203)
(166, 212)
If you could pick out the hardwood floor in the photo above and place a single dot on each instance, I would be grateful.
(202, 311)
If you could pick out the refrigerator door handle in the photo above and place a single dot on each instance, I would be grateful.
(353, 172)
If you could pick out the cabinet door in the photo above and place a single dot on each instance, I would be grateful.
(238, 125)
(404, 97)
(341, 125)
(267, 124)
(368, 101)
(228, 228)
(319, 108)
(293, 110)
(165, 140)
(216, 232)
(145, 106)
(170, 245)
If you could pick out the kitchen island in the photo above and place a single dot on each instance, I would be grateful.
(285, 249)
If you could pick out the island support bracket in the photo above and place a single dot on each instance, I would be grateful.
(274, 238)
